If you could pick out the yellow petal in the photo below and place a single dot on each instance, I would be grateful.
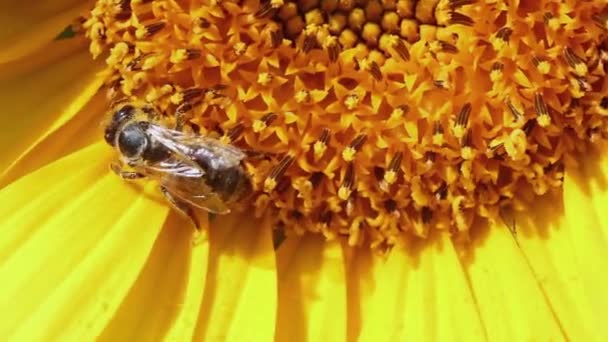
(27, 26)
(511, 302)
(563, 241)
(78, 132)
(165, 300)
(312, 290)
(75, 237)
(40, 93)
(420, 295)
(239, 303)
(591, 182)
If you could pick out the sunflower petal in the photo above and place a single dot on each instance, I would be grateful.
(591, 182)
(420, 295)
(312, 291)
(240, 294)
(27, 26)
(566, 247)
(501, 280)
(58, 142)
(41, 93)
(76, 237)
(560, 242)
(174, 277)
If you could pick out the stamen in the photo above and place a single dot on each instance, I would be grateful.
(269, 8)
(580, 85)
(462, 121)
(235, 132)
(456, 4)
(276, 37)
(514, 111)
(390, 176)
(277, 173)
(263, 122)
(504, 33)
(150, 30)
(348, 181)
(349, 153)
(501, 38)
(374, 70)
(190, 94)
(542, 65)
(467, 152)
(542, 112)
(458, 18)
(528, 127)
(447, 47)
(185, 54)
(136, 63)
(302, 96)
(438, 134)
(124, 10)
(333, 48)
(466, 140)
(496, 71)
(321, 145)
(389, 43)
(310, 42)
(576, 63)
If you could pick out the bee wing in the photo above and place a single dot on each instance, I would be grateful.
(183, 180)
(173, 167)
(210, 202)
(190, 145)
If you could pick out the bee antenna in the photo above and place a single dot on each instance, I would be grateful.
(115, 102)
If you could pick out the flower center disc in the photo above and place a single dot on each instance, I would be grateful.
(382, 118)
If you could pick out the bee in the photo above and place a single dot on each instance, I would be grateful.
(193, 171)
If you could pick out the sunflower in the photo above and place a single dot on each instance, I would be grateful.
(433, 170)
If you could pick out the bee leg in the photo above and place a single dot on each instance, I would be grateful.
(125, 174)
(257, 155)
(182, 207)
(151, 113)
(182, 115)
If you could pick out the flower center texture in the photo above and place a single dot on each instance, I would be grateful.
(382, 118)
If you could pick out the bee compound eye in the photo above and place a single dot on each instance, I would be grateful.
(132, 141)
(109, 135)
(119, 118)
(123, 113)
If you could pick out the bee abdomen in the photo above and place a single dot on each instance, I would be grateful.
(231, 183)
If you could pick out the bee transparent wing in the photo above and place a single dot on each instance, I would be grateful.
(184, 180)
(209, 202)
(190, 145)
(174, 167)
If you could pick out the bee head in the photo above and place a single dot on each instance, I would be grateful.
(119, 118)
(132, 140)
